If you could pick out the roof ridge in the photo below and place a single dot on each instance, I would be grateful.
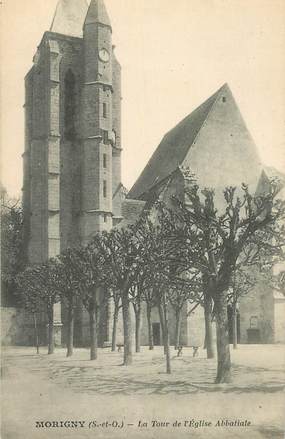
(216, 94)
(170, 154)
(195, 109)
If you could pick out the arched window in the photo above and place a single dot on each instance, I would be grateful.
(69, 105)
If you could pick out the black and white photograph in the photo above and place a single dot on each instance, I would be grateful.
(142, 219)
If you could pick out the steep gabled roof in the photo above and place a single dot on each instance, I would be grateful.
(173, 148)
(97, 13)
(69, 17)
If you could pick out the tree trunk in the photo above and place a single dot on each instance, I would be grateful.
(223, 348)
(234, 323)
(166, 339)
(149, 324)
(209, 342)
(70, 327)
(115, 322)
(162, 324)
(93, 329)
(177, 327)
(128, 354)
(50, 331)
(36, 333)
(137, 310)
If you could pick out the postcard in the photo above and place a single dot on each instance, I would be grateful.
(142, 219)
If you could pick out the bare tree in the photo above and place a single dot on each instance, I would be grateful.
(144, 270)
(30, 299)
(119, 253)
(116, 297)
(93, 279)
(156, 259)
(13, 257)
(184, 288)
(150, 303)
(70, 275)
(48, 277)
(136, 293)
(42, 284)
(215, 241)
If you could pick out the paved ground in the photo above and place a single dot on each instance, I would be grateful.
(50, 389)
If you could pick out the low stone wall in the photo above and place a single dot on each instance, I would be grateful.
(17, 328)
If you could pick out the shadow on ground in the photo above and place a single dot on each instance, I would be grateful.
(270, 432)
(147, 374)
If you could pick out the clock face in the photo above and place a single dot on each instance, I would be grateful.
(104, 55)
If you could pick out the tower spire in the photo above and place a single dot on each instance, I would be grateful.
(69, 17)
(97, 13)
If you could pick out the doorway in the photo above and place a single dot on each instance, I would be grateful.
(156, 334)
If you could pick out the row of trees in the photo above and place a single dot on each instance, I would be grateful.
(185, 252)
(223, 245)
(12, 247)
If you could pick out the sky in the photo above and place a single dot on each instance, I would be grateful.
(174, 55)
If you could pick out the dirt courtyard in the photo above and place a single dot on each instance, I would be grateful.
(54, 397)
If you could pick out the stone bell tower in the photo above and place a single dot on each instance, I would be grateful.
(100, 125)
(72, 159)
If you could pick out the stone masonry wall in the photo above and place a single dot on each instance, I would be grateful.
(17, 328)
(257, 312)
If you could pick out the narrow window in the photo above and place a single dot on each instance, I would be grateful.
(69, 105)
(105, 137)
(104, 188)
(105, 218)
(104, 161)
(104, 110)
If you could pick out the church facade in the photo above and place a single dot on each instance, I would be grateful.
(72, 160)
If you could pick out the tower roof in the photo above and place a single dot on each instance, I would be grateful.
(69, 17)
(213, 141)
(97, 13)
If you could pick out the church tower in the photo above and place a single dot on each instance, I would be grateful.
(99, 126)
(72, 158)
